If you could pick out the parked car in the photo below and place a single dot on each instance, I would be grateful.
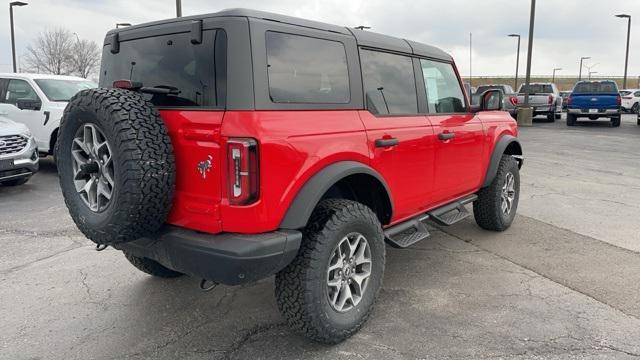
(510, 97)
(18, 153)
(257, 144)
(594, 100)
(544, 99)
(630, 100)
(565, 96)
(38, 102)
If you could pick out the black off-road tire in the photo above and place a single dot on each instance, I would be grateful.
(571, 120)
(151, 267)
(615, 121)
(301, 290)
(487, 209)
(143, 163)
(15, 182)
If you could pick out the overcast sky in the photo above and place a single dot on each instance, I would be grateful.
(565, 29)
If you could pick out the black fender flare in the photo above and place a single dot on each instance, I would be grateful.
(498, 151)
(312, 191)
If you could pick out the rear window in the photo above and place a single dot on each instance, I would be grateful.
(596, 87)
(484, 88)
(536, 89)
(306, 70)
(197, 71)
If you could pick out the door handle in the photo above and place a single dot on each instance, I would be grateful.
(384, 143)
(446, 136)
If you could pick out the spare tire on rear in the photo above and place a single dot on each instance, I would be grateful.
(116, 165)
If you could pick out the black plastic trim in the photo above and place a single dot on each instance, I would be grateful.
(226, 258)
(498, 151)
(310, 194)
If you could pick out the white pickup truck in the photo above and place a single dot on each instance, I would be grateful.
(544, 99)
(38, 102)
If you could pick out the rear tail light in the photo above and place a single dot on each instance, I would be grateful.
(242, 170)
(550, 99)
(569, 100)
(618, 100)
(513, 100)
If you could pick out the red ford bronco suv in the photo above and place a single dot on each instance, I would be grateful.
(242, 144)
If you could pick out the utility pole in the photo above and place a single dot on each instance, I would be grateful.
(525, 113)
(178, 8)
(517, 60)
(13, 39)
(626, 59)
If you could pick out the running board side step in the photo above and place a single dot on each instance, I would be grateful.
(452, 213)
(407, 233)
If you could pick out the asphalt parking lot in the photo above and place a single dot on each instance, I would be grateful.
(562, 282)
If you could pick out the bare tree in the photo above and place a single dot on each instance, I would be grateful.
(85, 57)
(51, 52)
(61, 52)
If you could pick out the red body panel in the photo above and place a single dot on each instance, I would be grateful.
(422, 171)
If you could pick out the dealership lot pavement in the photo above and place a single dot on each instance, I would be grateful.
(563, 282)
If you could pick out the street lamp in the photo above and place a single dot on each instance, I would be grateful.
(581, 59)
(554, 74)
(178, 8)
(118, 25)
(13, 40)
(592, 72)
(626, 59)
(517, 59)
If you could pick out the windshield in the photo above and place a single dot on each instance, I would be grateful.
(596, 87)
(536, 89)
(63, 90)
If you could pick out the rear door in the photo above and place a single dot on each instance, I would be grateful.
(193, 115)
(459, 133)
(400, 139)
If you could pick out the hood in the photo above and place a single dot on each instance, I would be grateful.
(8, 127)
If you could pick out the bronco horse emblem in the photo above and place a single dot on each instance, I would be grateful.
(205, 166)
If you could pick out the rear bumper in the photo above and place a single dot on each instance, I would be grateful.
(601, 112)
(225, 258)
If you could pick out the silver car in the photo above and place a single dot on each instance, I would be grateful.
(18, 153)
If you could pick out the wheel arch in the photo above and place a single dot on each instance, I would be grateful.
(52, 140)
(507, 144)
(345, 179)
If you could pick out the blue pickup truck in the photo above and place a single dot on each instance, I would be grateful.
(594, 100)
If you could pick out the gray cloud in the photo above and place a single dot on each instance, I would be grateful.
(565, 29)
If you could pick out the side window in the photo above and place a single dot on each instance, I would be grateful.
(306, 70)
(18, 89)
(636, 94)
(444, 94)
(389, 83)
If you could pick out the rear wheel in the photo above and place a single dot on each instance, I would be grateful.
(327, 292)
(571, 120)
(496, 206)
(615, 121)
(151, 267)
(551, 117)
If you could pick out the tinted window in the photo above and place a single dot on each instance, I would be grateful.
(62, 90)
(536, 89)
(624, 93)
(172, 62)
(389, 83)
(444, 94)
(19, 89)
(306, 70)
(507, 89)
(636, 94)
(595, 87)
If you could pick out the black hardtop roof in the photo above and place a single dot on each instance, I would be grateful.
(364, 38)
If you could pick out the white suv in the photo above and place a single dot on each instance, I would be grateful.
(630, 100)
(38, 101)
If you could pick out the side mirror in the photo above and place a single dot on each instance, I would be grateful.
(28, 104)
(492, 100)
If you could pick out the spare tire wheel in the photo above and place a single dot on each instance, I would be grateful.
(116, 165)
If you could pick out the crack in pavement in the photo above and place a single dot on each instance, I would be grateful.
(72, 247)
(256, 330)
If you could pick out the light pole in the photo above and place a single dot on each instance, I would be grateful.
(592, 72)
(517, 60)
(525, 113)
(178, 8)
(13, 40)
(626, 59)
(119, 25)
(553, 79)
(470, 59)
(581, 59)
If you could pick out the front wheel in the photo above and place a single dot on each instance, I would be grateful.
(634, 108)
(496, 206)
(327, 292)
